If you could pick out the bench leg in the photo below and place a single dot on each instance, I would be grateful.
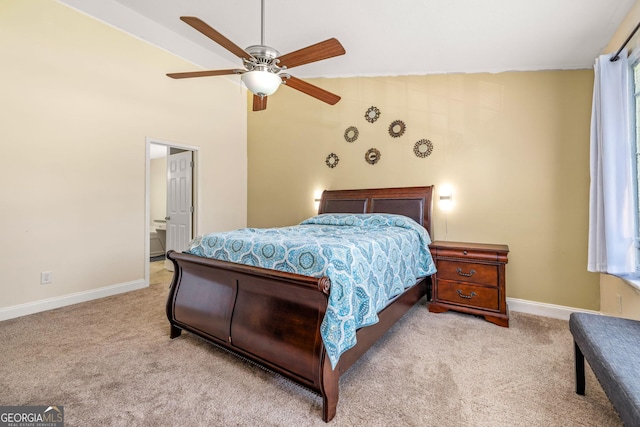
(579, 369)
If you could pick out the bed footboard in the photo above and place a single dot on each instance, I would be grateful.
(270, 317)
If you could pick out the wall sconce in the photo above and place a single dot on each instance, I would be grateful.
(446, 198)
(317, 195)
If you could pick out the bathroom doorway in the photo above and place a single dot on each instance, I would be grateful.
(170, 178)
(157, 202)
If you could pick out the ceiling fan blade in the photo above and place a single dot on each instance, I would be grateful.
(259, 103)
(205, 29)
(312, 90)
(317, 52)
(189, 74)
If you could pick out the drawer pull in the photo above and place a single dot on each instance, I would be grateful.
(461, 295)
(469, 274)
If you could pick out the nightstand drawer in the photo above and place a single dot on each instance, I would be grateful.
(468, 253)
(468, 295)
(468, 272)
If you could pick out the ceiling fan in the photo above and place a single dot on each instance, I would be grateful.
(264, 67)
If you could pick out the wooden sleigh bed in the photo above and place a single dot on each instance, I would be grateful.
(273, 318)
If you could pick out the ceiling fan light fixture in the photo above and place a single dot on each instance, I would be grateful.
(260, 82)
(264, 68)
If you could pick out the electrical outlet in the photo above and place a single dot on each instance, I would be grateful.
(619, 303)
(46, 277)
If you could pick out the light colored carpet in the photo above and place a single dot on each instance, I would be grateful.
(111, 362)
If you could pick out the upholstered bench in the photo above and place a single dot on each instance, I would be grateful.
(611, 346)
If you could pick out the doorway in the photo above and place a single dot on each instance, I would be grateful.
(170, 211)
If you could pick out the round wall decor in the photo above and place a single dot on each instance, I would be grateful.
(351, 134)
(372, 156)
(423, 148)
(397, 128)
(332, 160)
(372, 114)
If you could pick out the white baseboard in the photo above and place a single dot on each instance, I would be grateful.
(64, 300)
(543, 309)
(515, 304)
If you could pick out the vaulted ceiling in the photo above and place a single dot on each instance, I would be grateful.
(381, 37)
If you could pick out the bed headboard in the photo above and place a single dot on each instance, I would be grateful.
(414, 202)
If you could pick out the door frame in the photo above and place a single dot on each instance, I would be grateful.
(147, 193)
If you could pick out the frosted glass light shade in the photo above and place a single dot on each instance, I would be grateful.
(446, 198)
(261, 83)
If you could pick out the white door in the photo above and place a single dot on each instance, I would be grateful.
(179, 202)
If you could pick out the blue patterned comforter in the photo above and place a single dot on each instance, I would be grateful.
(369, 258)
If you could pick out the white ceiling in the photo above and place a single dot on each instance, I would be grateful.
(381, 37)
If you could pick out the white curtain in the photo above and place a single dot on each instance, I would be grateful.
(611, 202)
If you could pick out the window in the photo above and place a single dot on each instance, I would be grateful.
(613, 192)
(636, 153)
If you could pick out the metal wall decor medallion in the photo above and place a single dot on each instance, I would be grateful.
(372, 114)
(423, 148)
(332, 160)
(351, 134)
(397, 128)
(372, 156)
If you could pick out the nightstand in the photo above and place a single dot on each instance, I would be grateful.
(470, 279)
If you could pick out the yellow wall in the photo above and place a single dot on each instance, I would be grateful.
(514, 146)
(623, 31)
(618, 298)
(77, 100)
